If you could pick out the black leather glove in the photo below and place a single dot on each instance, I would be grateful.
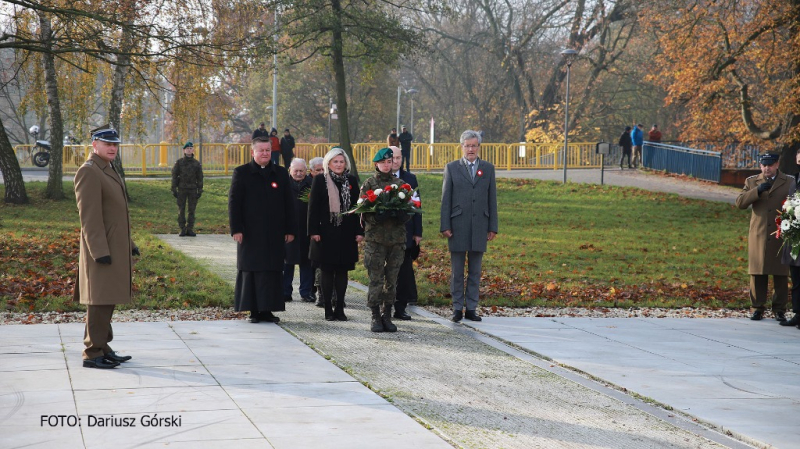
(175, 193)
(764, 186)
(105, 260)
(135, 251)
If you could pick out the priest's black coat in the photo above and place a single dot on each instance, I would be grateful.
(261, 207)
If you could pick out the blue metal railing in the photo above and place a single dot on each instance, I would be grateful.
(700, 164)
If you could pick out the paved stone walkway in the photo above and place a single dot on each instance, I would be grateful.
(469, 392)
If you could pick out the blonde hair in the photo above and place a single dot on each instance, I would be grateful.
(335, 151)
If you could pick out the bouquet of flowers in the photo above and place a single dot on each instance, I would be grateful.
(788, 221)
(402, 199)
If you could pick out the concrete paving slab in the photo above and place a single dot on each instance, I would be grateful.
(137, 377)
(715, 370)
(32, 361)
(290, 395)
(21, 409)
(192, 426)
(30, 345)
(145, 400)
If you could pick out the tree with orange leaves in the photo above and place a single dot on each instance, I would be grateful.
(734, 66)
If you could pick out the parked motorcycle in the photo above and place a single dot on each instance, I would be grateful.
(42, 155)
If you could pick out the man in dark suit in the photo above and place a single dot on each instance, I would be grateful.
(262, 221)
(406, 282)
(468, 221)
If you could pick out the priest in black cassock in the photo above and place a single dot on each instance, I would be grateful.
(262, 221)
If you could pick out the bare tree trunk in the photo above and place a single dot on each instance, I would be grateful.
(55, 185)
(12, 174)
(341, 87)
(118, 93)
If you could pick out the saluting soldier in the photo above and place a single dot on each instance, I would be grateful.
(384, 246)
(187, 186)
(106, 248)
(766, 192)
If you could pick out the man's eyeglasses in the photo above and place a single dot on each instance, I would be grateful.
(471, 146)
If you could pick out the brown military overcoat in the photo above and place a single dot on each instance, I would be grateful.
(763, 248)
(105, 231)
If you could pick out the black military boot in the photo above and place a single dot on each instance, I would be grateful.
(190, 232)
(386, 318)
(377, 323)
(183, 233)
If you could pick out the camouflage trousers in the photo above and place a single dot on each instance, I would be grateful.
(185, 196)
(383, 264)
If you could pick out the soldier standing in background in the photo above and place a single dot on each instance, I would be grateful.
(187, 186)
(384, 246)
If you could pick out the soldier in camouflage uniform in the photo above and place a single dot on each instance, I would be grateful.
(187, 184)
(384, 246)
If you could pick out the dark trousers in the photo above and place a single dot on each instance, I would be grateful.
(625, 153)
(98, 331)
(330, 281)
(406, 282)
(306, 279)
(276, 158)
(795, 273)
(287, 158)
(406, 158)
(185, 196)
(759, 284)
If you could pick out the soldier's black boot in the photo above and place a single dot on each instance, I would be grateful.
(388, 326)
(377, 323)
(183, 233)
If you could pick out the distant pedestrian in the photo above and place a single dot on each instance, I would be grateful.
(765, 193)
(105, 264)
(393, 140)
(405, 139)
(261, 131)
(297, 250)
(187, 187)
(406, 281)
(334, 237)
(468, 221)
(384, 245)
(276, 146)
(654, 135)
(637, 137)
(626, 144)
(287, 147)
(262, 221)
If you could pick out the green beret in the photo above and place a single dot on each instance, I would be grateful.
(188, 144)
(383, 154)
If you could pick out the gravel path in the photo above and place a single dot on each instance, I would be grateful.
(471, 393)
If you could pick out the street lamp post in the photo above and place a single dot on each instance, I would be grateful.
(569, 56)
(331, 115)
(411, 92)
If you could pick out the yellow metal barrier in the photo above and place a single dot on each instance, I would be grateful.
(220, 158)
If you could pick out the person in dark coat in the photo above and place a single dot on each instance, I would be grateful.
(334, 237)
(261, 131)
(626, 144)
(406, 282)
(287, 147)
(794, 265)
(297, 250)
(262, 221)
(405, 139)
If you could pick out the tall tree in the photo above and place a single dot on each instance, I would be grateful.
(12, 175)
(373, 31)
(741, 81)
(55, 185)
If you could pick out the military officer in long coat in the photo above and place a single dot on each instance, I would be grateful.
(262, 221)
(106, 249)
(766, 193)
(468, 221)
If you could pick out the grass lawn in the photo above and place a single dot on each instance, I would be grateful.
(573, 245)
